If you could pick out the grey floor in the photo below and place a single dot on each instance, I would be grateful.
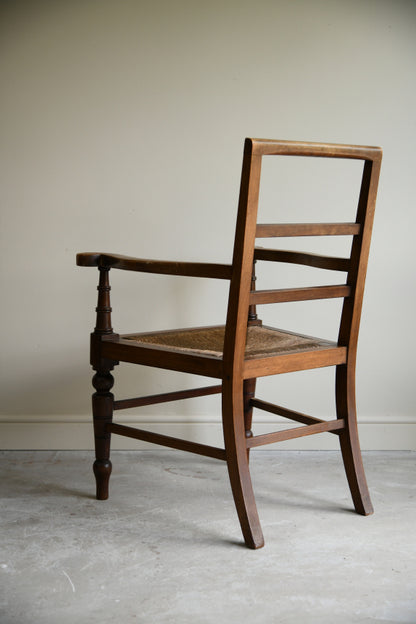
(166, 546)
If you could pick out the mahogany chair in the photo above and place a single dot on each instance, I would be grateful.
(242, 350)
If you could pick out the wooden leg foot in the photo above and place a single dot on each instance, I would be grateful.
(102, 471)
(245, 503)
(354, 470)
(350, 445)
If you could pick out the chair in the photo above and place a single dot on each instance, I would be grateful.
(242, 350)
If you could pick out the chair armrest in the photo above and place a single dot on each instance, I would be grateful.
(190, 269)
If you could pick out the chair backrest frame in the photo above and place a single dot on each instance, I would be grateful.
(247, 230)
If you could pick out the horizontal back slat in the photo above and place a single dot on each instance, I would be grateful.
(297, 257)
(298, 294)
(268, 230)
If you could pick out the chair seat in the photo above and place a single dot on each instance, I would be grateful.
(261, 341)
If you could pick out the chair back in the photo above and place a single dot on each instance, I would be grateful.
(243, 298)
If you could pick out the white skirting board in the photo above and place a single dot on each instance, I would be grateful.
(75, 433)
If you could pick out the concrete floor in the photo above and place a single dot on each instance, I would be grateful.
(166, 547)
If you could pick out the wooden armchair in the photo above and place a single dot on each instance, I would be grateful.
(242, 350)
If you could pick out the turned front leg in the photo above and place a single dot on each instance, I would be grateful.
(102, 399)
(102, 409)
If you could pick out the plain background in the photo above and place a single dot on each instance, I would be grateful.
(122, 128)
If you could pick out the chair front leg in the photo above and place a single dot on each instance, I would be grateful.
(102, 399)
(102, 409)
(237, 462)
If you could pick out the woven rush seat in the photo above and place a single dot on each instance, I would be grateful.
(261, 341)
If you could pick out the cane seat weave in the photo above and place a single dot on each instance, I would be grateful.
(260, 341)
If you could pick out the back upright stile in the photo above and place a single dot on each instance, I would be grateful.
(348, 335)
(234, 350)
(242, 349)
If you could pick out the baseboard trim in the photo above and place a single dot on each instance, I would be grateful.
(75, 433)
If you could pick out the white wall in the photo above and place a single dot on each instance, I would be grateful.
(122, 130)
